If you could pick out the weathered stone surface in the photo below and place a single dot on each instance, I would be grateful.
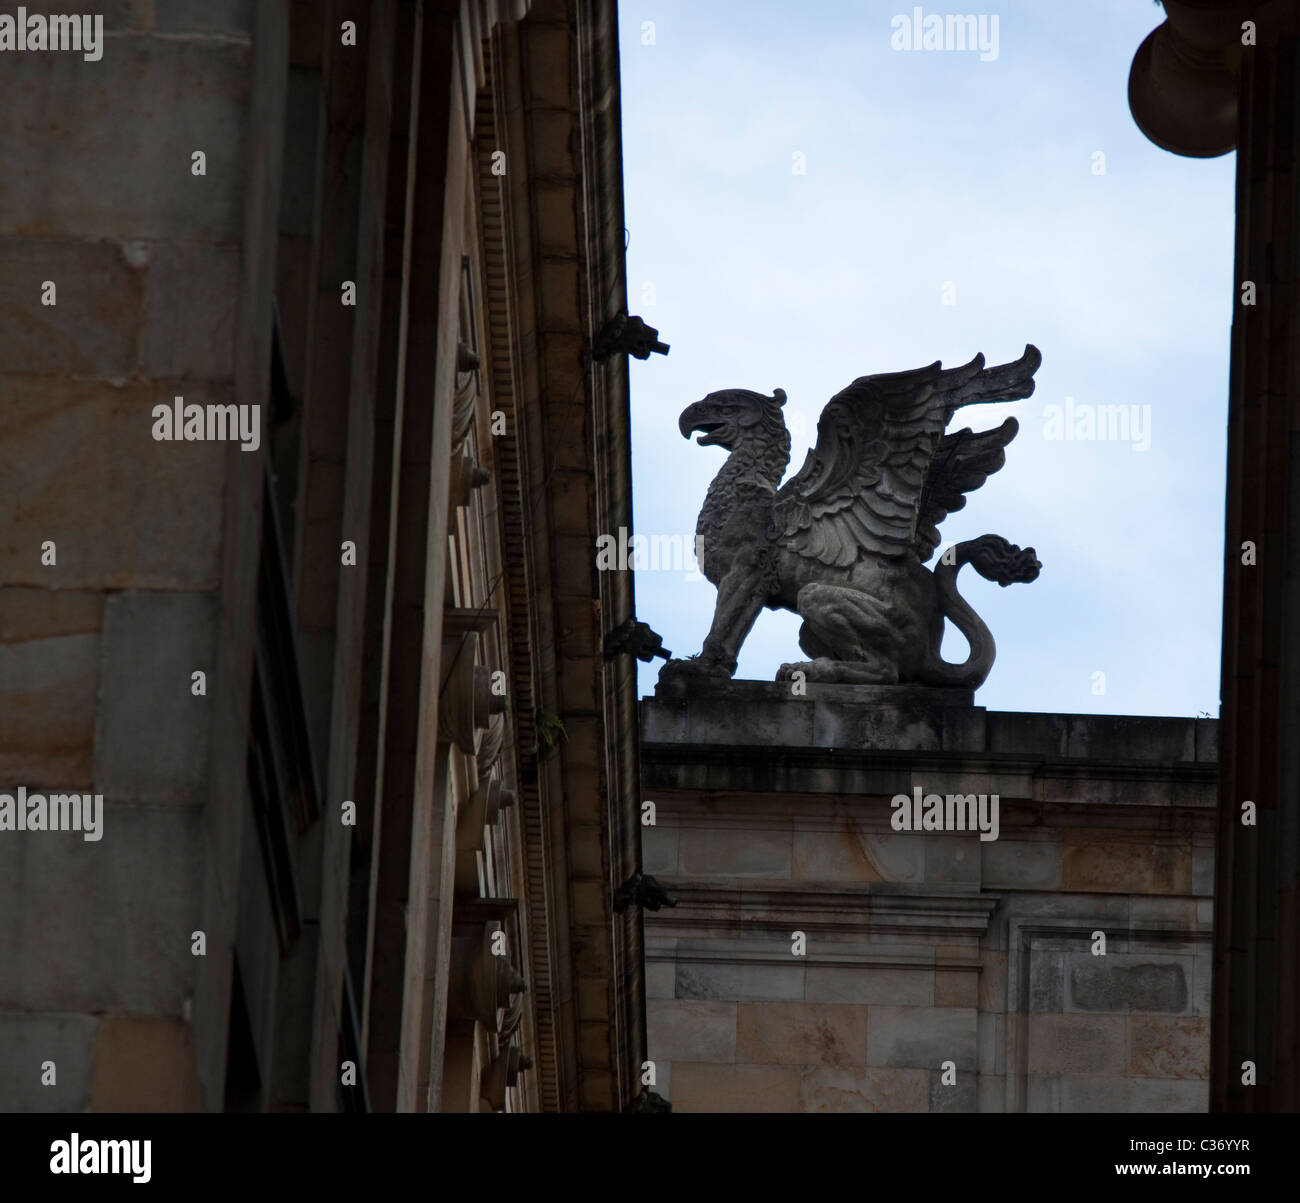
(49, 677)
(1021, 864)
(92, 329)
(735, 1088)
(1166, 1047)
(801, 1034)
(152, 642)
(26, 1042)
(660, 979)
(1130, 738)
(230, 17)
(992, 1041)
(870, 984)
(1092, 1093)
(691, 1030)
(1202, 980)
(943, 960)
(148, 103)
(659, 850)
(953, 860)
(858, 856)
(992, 1093)
(1077, 1044)
(135, 535)
(144, 1065)
(1117, 983)
(956, 988)
(742, 982)
(136, 905)
(993, 981)
(1153, 1096)
(1046, 980)
(1107, 1094)
(173, 344)
(923, 1037)
(864, 1090)
(1093, 861)
(711, 852)
(960, 1097)
(879, 726)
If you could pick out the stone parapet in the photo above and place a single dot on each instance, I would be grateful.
(820, 958)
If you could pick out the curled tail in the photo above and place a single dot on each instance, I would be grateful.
(996, 560)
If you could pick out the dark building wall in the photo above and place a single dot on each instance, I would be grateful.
(333, 813)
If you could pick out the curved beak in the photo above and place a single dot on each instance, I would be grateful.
(691, 420)
(696, 417)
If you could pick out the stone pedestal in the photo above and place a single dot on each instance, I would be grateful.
(821, 959)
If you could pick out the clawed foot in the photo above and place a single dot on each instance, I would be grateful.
(694, 669)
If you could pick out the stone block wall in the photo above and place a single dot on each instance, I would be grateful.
(936, 971)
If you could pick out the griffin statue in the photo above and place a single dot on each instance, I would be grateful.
(844, 542)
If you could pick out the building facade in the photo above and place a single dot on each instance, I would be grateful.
(838, 946)
(368, 781)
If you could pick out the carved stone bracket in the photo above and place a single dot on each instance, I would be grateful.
(482, 983)
(480, 810)
(466, 476)
(466, 395)
(489, 748)
(503, 1072)
(466, 702)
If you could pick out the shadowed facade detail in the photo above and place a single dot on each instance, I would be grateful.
(844, 542)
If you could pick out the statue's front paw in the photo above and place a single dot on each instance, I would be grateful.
(695, 669)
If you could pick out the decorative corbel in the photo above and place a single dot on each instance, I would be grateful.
(466, 702)
(482, 982)
(503, 1072)
(481, 809)
(465, 477)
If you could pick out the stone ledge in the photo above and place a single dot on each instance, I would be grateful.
(730, 690)
(906, 720)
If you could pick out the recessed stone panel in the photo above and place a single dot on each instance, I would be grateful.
(1118, 983)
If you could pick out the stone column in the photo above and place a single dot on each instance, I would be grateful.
(1192, 79)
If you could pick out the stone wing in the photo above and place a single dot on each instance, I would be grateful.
(860, 488)
(962, 462)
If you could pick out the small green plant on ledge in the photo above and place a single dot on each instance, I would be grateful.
(550, 732)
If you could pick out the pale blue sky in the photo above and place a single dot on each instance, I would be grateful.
(924, 168)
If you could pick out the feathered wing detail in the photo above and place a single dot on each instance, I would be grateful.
(962, 462)
(860, 487)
